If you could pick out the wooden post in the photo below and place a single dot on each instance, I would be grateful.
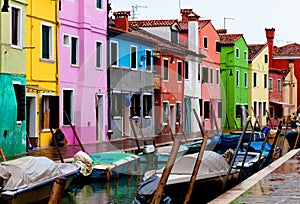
(256, 117)
(2, 155)
(296, 142)
(75, 133)
(135, 136)
(56, 146)
(285, 131)
(141, 132)
(198, 162)
(273, 148)
(272, 127)
(57, 190)
(166, 172)
(236, 126)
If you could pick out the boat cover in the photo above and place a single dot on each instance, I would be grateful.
(211, 162)
(26, 171)
(85, 162)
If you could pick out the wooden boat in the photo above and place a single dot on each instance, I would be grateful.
(30, 179)
(213, 170)
(106, 165)
(291, 137)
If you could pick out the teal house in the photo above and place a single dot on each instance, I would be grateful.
(12, 78)
(234, 78)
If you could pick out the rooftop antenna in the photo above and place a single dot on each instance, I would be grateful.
(227, 19)
(134, 9)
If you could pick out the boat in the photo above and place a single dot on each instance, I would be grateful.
(291, 137)
(106, 165)
(30, 179)
(212, 172)
(164, 152)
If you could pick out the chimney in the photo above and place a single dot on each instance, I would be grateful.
(270, 37)
(222, 31)
(121, 20)
(188, 15)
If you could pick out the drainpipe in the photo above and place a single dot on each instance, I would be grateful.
(108, 8)
(56, 48)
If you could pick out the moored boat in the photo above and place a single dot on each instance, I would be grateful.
(30, 179)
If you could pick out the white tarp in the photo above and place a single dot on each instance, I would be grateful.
(28, 170)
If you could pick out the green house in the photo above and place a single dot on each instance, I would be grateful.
(234, 78)
(12, 78)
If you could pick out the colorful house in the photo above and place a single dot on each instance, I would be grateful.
(130, 72)
(83, 70)
(42, 70)
(258, 82)
(209, 77)
(12, 78)
(280, 64)
(234, 75)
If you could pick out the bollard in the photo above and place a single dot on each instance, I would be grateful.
(57, 190)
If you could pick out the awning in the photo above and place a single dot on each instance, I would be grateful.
(284, 104)
(37, 89)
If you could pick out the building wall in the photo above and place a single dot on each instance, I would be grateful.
(83, 20)
(259, 93)
(40, 72)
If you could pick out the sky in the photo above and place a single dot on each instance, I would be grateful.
(249, 18)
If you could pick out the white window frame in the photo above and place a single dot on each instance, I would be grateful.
(19, 29)
(271, 81)
(117, 54)
(211, 76)
(77, 50)
(279, 87)
(182, 66)
(217, 76)
(51, 41)
(99, 55)
(205, 38)
(245, 79)
(72, 108)
(245, 55)
(66, 39)
(255, 79)
(167, 116)
(165, 59)
(102, 6)
(237, 80)
(151, 61)
(136, 57)
(237, 53)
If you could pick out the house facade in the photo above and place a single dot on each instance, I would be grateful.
(258, 82)
(83, 70)
(12, 79)
(234, 75)
(209, 73)
(130, 88)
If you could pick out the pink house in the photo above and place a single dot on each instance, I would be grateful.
(208, 43)
(83, 78)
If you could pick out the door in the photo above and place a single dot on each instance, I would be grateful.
(172, 118)
(126, 115)
(100, 118)
(31, 109)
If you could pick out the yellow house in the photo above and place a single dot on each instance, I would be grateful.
(42, 71)
(258, 82)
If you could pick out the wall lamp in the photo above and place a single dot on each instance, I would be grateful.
(284, 84)
(224, 69)
(5, 6)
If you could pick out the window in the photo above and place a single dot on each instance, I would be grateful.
(165, 111)
(99, 4)
(205, 45)
(98, 54)
(178, 112)
(133, 57)
(237, 75)
(254, 79)
(205, 74)
(265, 81)
(20, 98)
(66, 40)
(148, 60)
(47, 41)
(186, 70)
(211, 75)
(271, 84)
(117, 104)
(279, 85)
(50, 112)
(217, 76)
(206, 110)
(179, 71)
(238, 111)
(271, 112)
(166, 69)
(245, 55)
(113, 53)
(218, 46)
(237, 53)
(199, 73)
(264, 108)
(245, 79)
(68, 106)
(74, 50)
(220, 109)
(255, 107)
(174, 36)
(135, 106)
(147, 105)
(266, 58)
(16, 26)
(200, 106)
